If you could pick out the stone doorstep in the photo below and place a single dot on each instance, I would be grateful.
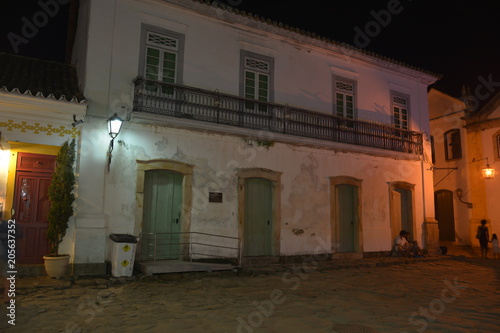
(73, 269)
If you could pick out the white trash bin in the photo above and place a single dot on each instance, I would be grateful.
(122, 254)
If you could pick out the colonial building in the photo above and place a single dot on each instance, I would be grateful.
(244, 137)
(466, 147)
(39, 101)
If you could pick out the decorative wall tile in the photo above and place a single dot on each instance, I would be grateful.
(38, 128)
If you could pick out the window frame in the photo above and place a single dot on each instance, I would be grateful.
(244, 55)
(498, 145)
(447, 143)
(495, 140)
(345, 93)
(397, 121)
(145, 29)
(433, 150)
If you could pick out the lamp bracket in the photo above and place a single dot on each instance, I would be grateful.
(449, 172)
(434, 168)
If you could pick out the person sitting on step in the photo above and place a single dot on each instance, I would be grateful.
(402, 246)
(417, 251)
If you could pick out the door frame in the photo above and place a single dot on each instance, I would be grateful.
(394, 226)
(186, 170)
(334, 213)
(275, 178)
(170, 246)
(452, 225)
(15, 148)
(10, 186)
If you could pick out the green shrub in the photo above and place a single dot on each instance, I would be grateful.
(61, 196)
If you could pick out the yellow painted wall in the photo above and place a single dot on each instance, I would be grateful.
(477, 183)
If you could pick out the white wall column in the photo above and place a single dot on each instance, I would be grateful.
(90, 231)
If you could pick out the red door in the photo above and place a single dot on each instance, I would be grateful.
(32, 204)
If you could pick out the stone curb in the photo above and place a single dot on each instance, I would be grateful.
(103, 282)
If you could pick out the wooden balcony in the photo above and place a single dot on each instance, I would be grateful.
(179, 101)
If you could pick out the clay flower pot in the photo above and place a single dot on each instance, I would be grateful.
(56, 266)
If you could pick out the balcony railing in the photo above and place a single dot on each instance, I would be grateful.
(203, 105)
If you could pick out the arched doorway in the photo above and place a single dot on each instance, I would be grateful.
(401, 205)
(164, 198)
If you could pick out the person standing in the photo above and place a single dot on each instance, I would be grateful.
(484, 237)
(494, 245)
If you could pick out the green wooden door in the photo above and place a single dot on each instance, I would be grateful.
(443, 201)
(348, 217)
(396, 224)
(162, 214)
(258, 228)
(406, 210)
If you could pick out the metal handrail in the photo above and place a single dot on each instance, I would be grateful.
(187, 249)
(180, 101)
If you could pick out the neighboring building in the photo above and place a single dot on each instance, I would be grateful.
(465, 141)
(239, 127)
(39, 101)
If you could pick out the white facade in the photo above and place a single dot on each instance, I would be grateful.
(108, 54)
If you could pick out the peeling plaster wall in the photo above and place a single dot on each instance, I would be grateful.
(305, 206)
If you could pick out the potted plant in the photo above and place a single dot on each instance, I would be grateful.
(61, 209)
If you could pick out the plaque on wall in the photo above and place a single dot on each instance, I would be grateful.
(215, 197)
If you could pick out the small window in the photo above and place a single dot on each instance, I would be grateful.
(257, 65)
(344, 98)
(452, 145)
(400, 110)
(162, 41)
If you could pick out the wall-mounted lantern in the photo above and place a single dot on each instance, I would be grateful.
(488, 173)
(460, 194)
(114, 127)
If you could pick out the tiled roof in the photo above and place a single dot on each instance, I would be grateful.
(41, 78)
(348, 47)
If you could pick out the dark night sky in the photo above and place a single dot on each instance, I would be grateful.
(458, 39)
(34, 31)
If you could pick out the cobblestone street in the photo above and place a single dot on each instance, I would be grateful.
(460, 295)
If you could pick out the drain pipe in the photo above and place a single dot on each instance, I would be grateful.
(422, 170)
(425, 231)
